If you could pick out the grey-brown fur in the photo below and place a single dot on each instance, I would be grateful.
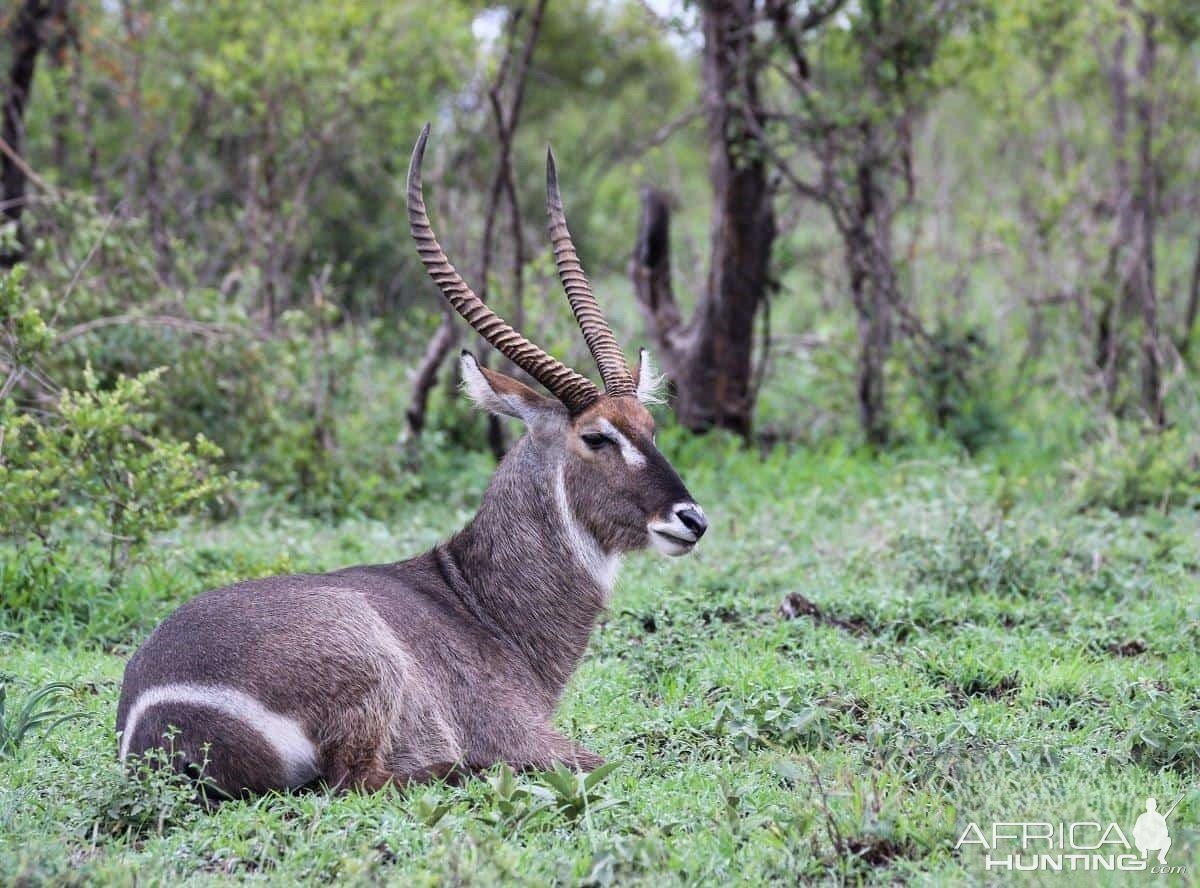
(456, 657)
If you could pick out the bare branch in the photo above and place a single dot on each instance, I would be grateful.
(427, 371)
(87, 260)
(650, 270)
(25, 169)
(169, 322)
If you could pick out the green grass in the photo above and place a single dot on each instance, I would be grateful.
(970, 647)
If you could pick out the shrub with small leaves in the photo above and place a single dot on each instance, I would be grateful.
(93, 464)
(141, 797)
(1132, 469)
(83, 468)
(25, 334)
(954, 384)
(973, 557)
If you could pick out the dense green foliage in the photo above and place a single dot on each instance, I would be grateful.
(84, 472)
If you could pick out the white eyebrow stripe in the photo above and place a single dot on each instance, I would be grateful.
(634, 458)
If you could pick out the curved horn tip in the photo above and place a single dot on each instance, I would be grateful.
(551, 173)
(418, 154)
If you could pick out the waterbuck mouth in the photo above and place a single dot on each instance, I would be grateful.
(670, 544)
(679, 534)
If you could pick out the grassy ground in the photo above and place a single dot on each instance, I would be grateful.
(965, 645)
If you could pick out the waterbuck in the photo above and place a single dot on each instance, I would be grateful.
(453, 660)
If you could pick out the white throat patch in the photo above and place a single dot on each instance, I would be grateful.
(600, 566)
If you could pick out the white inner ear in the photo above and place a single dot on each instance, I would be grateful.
(650, 381)
(479, 390)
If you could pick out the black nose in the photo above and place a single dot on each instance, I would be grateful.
(693, 521)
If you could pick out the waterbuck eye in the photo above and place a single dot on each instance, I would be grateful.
(596, 441)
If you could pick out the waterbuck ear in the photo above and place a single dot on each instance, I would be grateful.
(650, 383)
(498, 393)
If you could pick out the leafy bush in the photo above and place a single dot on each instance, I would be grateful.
(1131, 469)
(955, 384)
(972, 558)
(92, 467)
(322, 442)
(114, 309)
(307, 407)
(83, 469)
(141, 798)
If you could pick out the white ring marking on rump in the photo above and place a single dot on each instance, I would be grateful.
(283, 734)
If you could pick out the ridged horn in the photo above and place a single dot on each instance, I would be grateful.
(576, 392)
(600, 340)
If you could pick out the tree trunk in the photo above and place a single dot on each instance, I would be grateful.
(1117, 271)
(874, 342)
(1152, 388)
(872, 288)
(711, 361)
(650, 270)
(1193, 305)
(426, 376)
(28, 36)
(714, 388)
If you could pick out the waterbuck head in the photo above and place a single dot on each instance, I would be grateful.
(597, 448)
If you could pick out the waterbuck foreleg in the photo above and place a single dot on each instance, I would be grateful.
(549, 748)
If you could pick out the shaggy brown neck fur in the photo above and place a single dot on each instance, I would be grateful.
(524, 582)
